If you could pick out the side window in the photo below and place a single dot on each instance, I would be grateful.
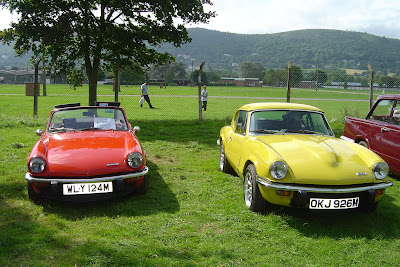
(240, 121)
(382, 111)
(395, 119)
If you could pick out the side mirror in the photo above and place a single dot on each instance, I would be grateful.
(38, 132)
(136, 129)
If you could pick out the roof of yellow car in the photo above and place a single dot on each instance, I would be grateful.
(278, 105)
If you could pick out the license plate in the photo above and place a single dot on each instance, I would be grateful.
(87, 188)
(341, 203)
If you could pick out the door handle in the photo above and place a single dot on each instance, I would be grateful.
(384, 130)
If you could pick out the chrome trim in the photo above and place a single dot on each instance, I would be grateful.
(316, 189)
(346, 139)
(29, 178)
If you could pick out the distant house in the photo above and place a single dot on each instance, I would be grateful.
(250, 82)
(19, 76)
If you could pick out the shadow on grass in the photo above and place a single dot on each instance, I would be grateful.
(205, 132)
(382, 223)
(159, 198)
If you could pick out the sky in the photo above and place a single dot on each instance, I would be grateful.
(378, 17)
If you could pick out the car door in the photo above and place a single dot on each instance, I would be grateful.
(236, 139)
(384, 134)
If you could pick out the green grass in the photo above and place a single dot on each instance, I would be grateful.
(192, 215)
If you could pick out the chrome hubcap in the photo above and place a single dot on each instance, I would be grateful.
(248, 188)
(221, 158)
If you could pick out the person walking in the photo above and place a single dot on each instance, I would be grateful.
(204, 97)
(145, 93)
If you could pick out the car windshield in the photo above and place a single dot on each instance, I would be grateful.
(82, 119)
(288, 121)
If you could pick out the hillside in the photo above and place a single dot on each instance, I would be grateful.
(221, 50)
(336, 49)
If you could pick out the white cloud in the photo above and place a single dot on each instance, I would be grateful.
(379, 17)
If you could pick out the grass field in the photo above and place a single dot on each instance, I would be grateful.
(192, 215)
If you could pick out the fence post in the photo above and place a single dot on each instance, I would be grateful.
(371, 87)
(199, 86)
(36, 89)
(289, 80)
(116, 84)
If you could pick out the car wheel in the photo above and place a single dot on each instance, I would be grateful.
(224, 165)
(252, 195)
(144, 186)
(363, 143)
(32, 194)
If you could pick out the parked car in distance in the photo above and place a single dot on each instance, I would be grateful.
(286, 154)
(379, 131)
(87, 153)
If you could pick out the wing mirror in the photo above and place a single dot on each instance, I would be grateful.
(136, 129)
(38, 132)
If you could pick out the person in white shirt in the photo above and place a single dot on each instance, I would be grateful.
(204, 96)
(145, 94)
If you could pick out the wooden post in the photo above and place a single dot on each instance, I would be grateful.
(116, 81)
(289, 80)
(371, 87)
(199, 87)
(44, 78)
(36, 90)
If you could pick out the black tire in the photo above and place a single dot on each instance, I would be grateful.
(224, 165)
(32, 194)
(363, 143)
(369, 208)
(144, 186)
(252, 195)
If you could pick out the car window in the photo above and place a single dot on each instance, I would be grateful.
(88, 118)
(288, 121)
(382, 111)
(395, 119)
(240, 122)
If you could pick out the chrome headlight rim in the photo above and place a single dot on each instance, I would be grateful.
(36, 165)
(278, 170)
(380, 170)
(134, 160)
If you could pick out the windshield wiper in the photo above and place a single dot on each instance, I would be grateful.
(61, 129)
(95, 129)
(267, 131)
(304, 132)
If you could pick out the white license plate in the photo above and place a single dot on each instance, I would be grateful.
(329, 204)
(87, 188)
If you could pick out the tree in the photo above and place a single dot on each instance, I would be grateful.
(93, 32)
(194, 76)
(251, 70)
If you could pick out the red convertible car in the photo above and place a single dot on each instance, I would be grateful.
(379, 131)
(85, 154)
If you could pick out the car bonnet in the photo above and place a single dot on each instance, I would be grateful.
(314, 159)
(89, 153)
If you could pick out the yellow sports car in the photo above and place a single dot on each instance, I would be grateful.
(286, 154)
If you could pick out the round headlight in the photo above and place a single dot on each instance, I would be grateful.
(36, 165)
(380, 170)
(278, 170)
(134, 160)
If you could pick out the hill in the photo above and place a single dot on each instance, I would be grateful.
(222, 50)
(344, 49)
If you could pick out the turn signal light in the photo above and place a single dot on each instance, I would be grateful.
(283, 193)
(379, 191)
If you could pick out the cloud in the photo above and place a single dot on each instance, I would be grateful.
(379, 17)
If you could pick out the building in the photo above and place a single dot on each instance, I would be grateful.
(250, 82)
(18, 76)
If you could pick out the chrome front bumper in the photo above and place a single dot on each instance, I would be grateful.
(29, 178)
(316, 189)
